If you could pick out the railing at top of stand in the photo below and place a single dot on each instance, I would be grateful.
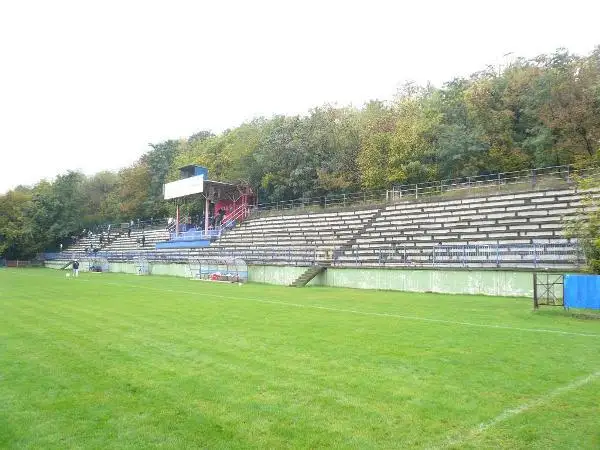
(137, 224)
(532, 177)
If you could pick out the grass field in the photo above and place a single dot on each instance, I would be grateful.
(118, 361)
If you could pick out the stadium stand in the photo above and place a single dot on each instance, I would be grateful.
(413, 231)
(299, 231)
(521, 229)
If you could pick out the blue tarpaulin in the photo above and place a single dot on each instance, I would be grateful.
(582, 291)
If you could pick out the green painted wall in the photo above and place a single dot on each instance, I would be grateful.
(59, 264)
(175, 270)
(487, 282)
(460, 281)
(282, 275)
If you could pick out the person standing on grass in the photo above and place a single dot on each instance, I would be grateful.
(75, 268)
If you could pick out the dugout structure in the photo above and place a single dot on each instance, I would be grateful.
(232, 270)
(98, 264)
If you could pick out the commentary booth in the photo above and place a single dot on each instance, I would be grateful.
(225, 205)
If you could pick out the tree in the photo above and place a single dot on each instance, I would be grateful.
(586, 227)
(412, 157)
(96, 190)
(200, 136)
(16, 240)
(158, 162)
(376, 126)
(539, 112)
(287, 172)
(572, 111)
(459, 149)
(132, 192)
(330, 138)
(58, 210)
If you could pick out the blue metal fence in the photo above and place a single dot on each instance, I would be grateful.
(582, 291)
(195, 235)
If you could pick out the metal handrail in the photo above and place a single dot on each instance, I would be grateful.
(408, 191)
(500, 255)
(238, 214)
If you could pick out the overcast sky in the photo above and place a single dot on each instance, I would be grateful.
(87, 85)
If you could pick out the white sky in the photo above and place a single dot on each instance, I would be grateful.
(87, 85)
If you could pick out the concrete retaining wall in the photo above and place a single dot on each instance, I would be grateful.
(175, 270)
(492, 282)
(486, 282)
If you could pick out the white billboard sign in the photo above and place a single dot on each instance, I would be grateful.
(181, 188)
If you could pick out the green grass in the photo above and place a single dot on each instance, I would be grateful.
(118, 361)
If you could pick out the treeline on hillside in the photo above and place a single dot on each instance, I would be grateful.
(539, 112)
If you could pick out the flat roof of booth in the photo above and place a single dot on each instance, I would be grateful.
(191, 166)
(222, 190)
(208, 188)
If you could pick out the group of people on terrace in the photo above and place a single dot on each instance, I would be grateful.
(198, 222)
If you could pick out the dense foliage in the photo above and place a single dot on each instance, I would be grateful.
(539, 112)
(586, 228)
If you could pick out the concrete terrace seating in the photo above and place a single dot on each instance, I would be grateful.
(84, 246)
(130, 244)
(84, 243)
(300, 231)
(411, 230)
(517, 230)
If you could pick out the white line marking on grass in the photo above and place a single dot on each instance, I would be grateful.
(363, 313)
(353, 311)
(512, 412)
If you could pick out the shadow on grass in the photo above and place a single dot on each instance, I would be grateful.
(583, 314)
